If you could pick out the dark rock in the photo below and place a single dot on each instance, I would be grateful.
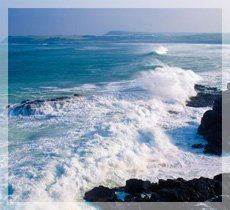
(213, 149)
(211, 128)
(29, 107)
(172, 112)
(218, 177)
(169, 183)
(61, 98)
(204, 188)
(155, 197)
(77, 95)
(170, 190)
(100, 194)
(205, 96)
(204, 88)
(202, 100)
(169, 195)
(197, 146)
(134, 186)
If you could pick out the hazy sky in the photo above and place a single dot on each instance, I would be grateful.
(100, 21)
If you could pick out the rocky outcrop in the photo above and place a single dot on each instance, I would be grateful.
(170, 190)
(31, 107)
(211, 128)
(211, 122)
(100, 194)
(205, 96)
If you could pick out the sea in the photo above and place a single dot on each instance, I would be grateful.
(104, 109)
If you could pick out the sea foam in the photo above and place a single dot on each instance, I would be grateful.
(170, 83)
(110, 137)
(161, 50)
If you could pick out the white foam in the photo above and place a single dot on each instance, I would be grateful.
(161, 50)
(108, 138)
(169, 83)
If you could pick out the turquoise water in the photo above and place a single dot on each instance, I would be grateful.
(36, 62)
(129, 122)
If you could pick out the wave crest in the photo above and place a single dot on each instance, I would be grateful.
(161, 50)
(170, 83)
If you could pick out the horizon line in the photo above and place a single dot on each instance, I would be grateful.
(106, 34)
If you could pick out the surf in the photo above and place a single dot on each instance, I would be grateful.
(161, 50)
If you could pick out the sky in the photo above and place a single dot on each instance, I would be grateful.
(99, 21)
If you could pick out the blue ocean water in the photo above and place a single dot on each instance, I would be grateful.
(129, 121)
(36, 62)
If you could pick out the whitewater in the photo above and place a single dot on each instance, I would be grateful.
(110, 137)
(128, 119)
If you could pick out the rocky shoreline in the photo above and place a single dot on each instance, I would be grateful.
(178, 190)
(170, 190)
(211, 128)
(211, 123)
(205, 96)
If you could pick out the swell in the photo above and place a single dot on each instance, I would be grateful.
(168, 84)
(158, 51)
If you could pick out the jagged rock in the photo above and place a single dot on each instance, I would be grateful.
(31, 107)
(211, 128)
(170, 190)
(100, 194)
(134, 186)
(205, 96)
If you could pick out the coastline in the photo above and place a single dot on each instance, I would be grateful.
(178, 190)
(170, 190)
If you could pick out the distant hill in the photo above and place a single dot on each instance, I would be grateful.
(125, 33)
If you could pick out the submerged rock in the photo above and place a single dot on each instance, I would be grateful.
(170, 190)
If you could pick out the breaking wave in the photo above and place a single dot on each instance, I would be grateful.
(166, 83)
(124, 132)
(170, 83)
(161, 50)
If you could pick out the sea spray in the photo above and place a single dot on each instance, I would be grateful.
(169, 83)
(108, 138)
(122, 128)
(161, 50)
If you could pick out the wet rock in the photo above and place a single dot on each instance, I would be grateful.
(77, 95)
(170, 183)
(100, 194)
(205, 96)
(134, 186)
(211, 128)
(61, 98)
(30, 107)
(170, 190)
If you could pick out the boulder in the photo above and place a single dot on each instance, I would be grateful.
(170, 190)
(205, 96)
(100, 194)
(134, 186)
(211, 128)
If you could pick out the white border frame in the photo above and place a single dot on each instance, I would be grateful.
(5, 4)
